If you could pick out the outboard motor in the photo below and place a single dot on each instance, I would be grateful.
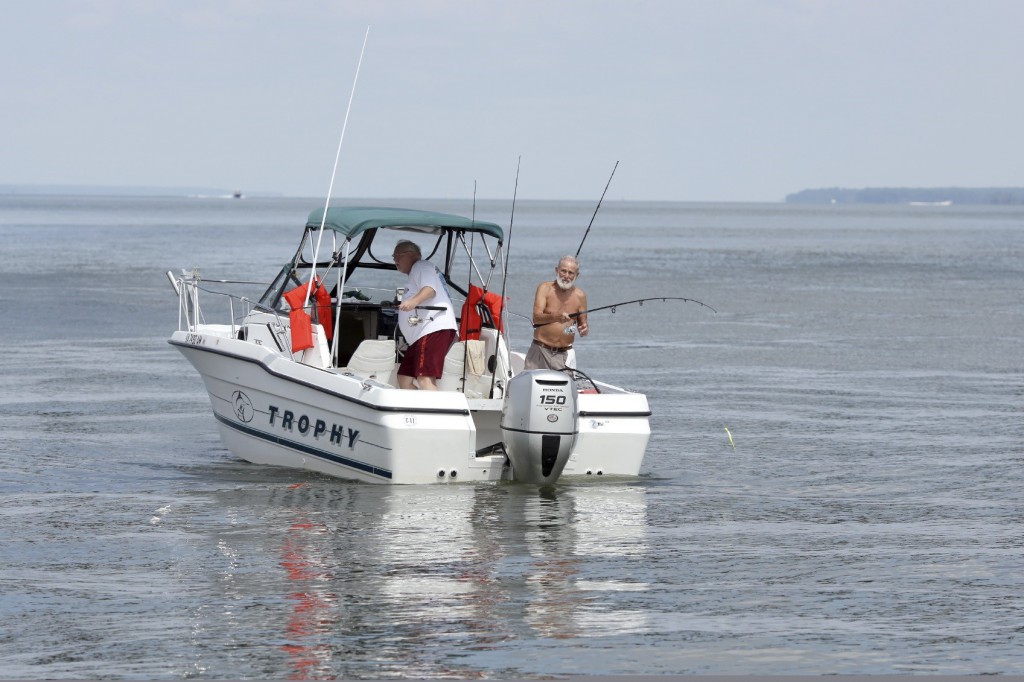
(538, 424)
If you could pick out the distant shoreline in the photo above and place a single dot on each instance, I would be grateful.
(918, 196)
(912, 196)
(126, 191)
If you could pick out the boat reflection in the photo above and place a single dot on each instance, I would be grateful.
(551, 539)
(421, 581)
(509, 561)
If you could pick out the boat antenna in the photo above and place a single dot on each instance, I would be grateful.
(597, 208)
(337, 156)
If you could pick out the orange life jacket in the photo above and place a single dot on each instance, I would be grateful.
(472, 320)
(301, 324)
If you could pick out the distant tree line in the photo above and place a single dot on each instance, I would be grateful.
(909, 195)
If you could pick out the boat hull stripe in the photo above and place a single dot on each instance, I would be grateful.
(306, 449)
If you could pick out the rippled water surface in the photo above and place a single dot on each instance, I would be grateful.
(867, 362)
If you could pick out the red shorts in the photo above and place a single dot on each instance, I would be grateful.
(425, 357)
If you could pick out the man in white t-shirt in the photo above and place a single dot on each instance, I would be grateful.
(430, 338)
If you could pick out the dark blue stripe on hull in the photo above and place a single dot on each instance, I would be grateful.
(306, 449)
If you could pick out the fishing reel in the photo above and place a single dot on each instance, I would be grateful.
(414, 320)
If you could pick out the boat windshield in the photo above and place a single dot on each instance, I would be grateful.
(272, 295)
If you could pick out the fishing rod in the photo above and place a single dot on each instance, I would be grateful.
(640, 301)
(504, 269)
(469, 286)
(414, 319)
(596, 209)
(508, 244)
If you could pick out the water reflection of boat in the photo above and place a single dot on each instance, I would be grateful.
(507, 562)
(346, 578)
(287, 390)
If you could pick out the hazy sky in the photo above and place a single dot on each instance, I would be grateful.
(718, 100)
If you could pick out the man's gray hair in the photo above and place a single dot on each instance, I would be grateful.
(572, 259)
(407, 246)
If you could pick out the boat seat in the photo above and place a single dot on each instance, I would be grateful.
(471, 355)
(373, 359)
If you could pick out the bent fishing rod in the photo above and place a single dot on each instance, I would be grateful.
(640, 301)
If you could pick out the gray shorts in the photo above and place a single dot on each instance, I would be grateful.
(543, 357)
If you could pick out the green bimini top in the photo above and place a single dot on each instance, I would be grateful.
(353, 220)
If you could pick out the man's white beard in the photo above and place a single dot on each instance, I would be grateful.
(564, 284)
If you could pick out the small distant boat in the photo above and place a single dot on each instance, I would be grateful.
(308, 380)
(237, 194)
(947, 202)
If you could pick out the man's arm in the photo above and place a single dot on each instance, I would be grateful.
(417, 278)
(424, 294)
(541, 318)
(581, 322)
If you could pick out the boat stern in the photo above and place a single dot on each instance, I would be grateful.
(614, 429)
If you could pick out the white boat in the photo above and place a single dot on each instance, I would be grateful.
(334, 407)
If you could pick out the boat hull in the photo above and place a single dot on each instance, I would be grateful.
(273, 410)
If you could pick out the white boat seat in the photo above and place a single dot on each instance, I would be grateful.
(468, 354)
(373, 359)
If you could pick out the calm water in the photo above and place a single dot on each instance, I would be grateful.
(867, 361)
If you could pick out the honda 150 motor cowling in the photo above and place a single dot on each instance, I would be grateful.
(539, 424)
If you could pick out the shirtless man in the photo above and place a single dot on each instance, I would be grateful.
(555, 301)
